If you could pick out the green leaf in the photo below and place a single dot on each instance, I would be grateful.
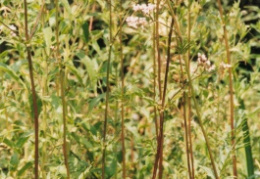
(55, 101)
(14, 161)
(8, 142)
(21, 141)
(47, 33)
(24, 168)
(94, 102)
(75, 71)
(85, 32)
(9, 71)
(247, 143)
(91, 68)
(66, 4)
(111, 169)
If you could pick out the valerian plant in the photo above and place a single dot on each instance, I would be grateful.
(129, 89)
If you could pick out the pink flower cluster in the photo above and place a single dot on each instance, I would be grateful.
(144, 8)
(203, 61)
(133, 21)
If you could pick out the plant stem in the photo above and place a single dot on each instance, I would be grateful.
(107, 92)
(158, 47)
(178, 34)
(122, 94)
(231, 91)
(200, 122)
(34, 96)
(62, 90)
(184, 99)
(154, 79)
(164, 95)
(116, 122)
(189, 100)
(159, 85)
(92, 18)
(159, 156)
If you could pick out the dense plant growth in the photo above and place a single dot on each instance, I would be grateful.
(129, 89)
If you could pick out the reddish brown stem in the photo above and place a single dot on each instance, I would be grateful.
(161, 136)
(34, 96)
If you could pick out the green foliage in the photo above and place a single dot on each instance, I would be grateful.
(84, 49)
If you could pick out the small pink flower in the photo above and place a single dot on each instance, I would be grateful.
(205, 63)
(146, 9)
(211, 68)
(136, 7)
(133, 21)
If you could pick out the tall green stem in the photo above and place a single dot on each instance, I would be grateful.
(62, 90)
(34, 96)
(231, 91)
(107, 92)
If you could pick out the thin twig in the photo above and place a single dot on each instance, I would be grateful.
(15, 31)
